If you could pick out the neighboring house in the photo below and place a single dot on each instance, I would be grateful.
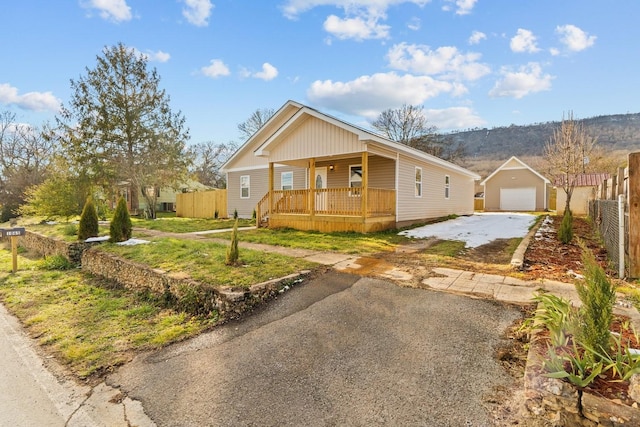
(307, 170)
(585, 188)
(515, 186)
(166, 196)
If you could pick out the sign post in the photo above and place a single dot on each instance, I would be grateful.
(13, 233)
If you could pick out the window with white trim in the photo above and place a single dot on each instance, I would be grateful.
(447, 186)
(245, 186)
(355, 179)
(286, 181)
(418, 182)
(355, 176)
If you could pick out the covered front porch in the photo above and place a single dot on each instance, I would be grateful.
(354, 207)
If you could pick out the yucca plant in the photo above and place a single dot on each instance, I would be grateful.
(232, 250)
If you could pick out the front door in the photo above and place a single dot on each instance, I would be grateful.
(321, 182)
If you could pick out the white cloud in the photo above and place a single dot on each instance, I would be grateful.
(526, 80)
(158, 56)
(463, 7)
(215, 69)
(362, 18)
(367, 96)
(414, 24)
(454, 118)
(269, 72)
(574, 38)
(197, 12)
(524, 41)
(357, 28)
(476, 37)
(293, 8)
(33, 101)
(445, 61)
(110, 10)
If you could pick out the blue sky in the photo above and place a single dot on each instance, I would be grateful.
(470, 63)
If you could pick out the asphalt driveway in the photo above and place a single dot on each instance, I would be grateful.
(340, 350)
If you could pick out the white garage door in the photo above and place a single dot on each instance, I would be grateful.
(518, 199)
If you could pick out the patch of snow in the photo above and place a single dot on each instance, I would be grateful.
(132, 242)
(97, 239)
(478, 229)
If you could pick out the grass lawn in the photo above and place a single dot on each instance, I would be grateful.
(205, 261)
(68, 231)
(89, 328)
(350, 243)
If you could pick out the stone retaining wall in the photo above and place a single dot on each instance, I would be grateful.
(176, 289)
(47, 246)
(179, 289)
(557, 401)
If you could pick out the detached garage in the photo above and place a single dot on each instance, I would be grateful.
(515, 186)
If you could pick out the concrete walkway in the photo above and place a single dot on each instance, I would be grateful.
(508, 289)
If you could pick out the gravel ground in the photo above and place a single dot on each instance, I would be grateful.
(340, 350)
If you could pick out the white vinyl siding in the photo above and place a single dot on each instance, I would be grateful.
(245, 186)
(313, 137)
(259, 180)
(432, 204)
(418, 182)
(515, 179)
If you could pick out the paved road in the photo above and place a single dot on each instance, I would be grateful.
(340, 350)
(31, 395)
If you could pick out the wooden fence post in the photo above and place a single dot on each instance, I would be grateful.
(634, 215)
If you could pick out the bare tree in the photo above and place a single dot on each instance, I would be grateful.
(568, 154)
(257, 119)
(208, 158)
(403, 124)
(408, 125)
(25, 156)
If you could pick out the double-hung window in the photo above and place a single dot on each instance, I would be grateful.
(245, 186)
(286, 180)
(418, 182)
(355, 179)
(447, 186)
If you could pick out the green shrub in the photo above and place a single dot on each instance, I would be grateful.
(598, 296)
(70, 230)
(216, 214)
(88, 221)
(232, 250)
(120, 228)
(235, 214)
(565, 232)
(55, 262)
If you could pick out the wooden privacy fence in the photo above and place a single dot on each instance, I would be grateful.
(202, 204)
(616, 213)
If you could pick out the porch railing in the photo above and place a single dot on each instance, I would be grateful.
(330, 201)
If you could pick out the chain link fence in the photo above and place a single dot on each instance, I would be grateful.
(604, 214)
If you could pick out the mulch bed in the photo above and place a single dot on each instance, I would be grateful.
(548, 258)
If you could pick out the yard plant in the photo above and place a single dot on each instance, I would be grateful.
(120, 228)
(88, 221)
